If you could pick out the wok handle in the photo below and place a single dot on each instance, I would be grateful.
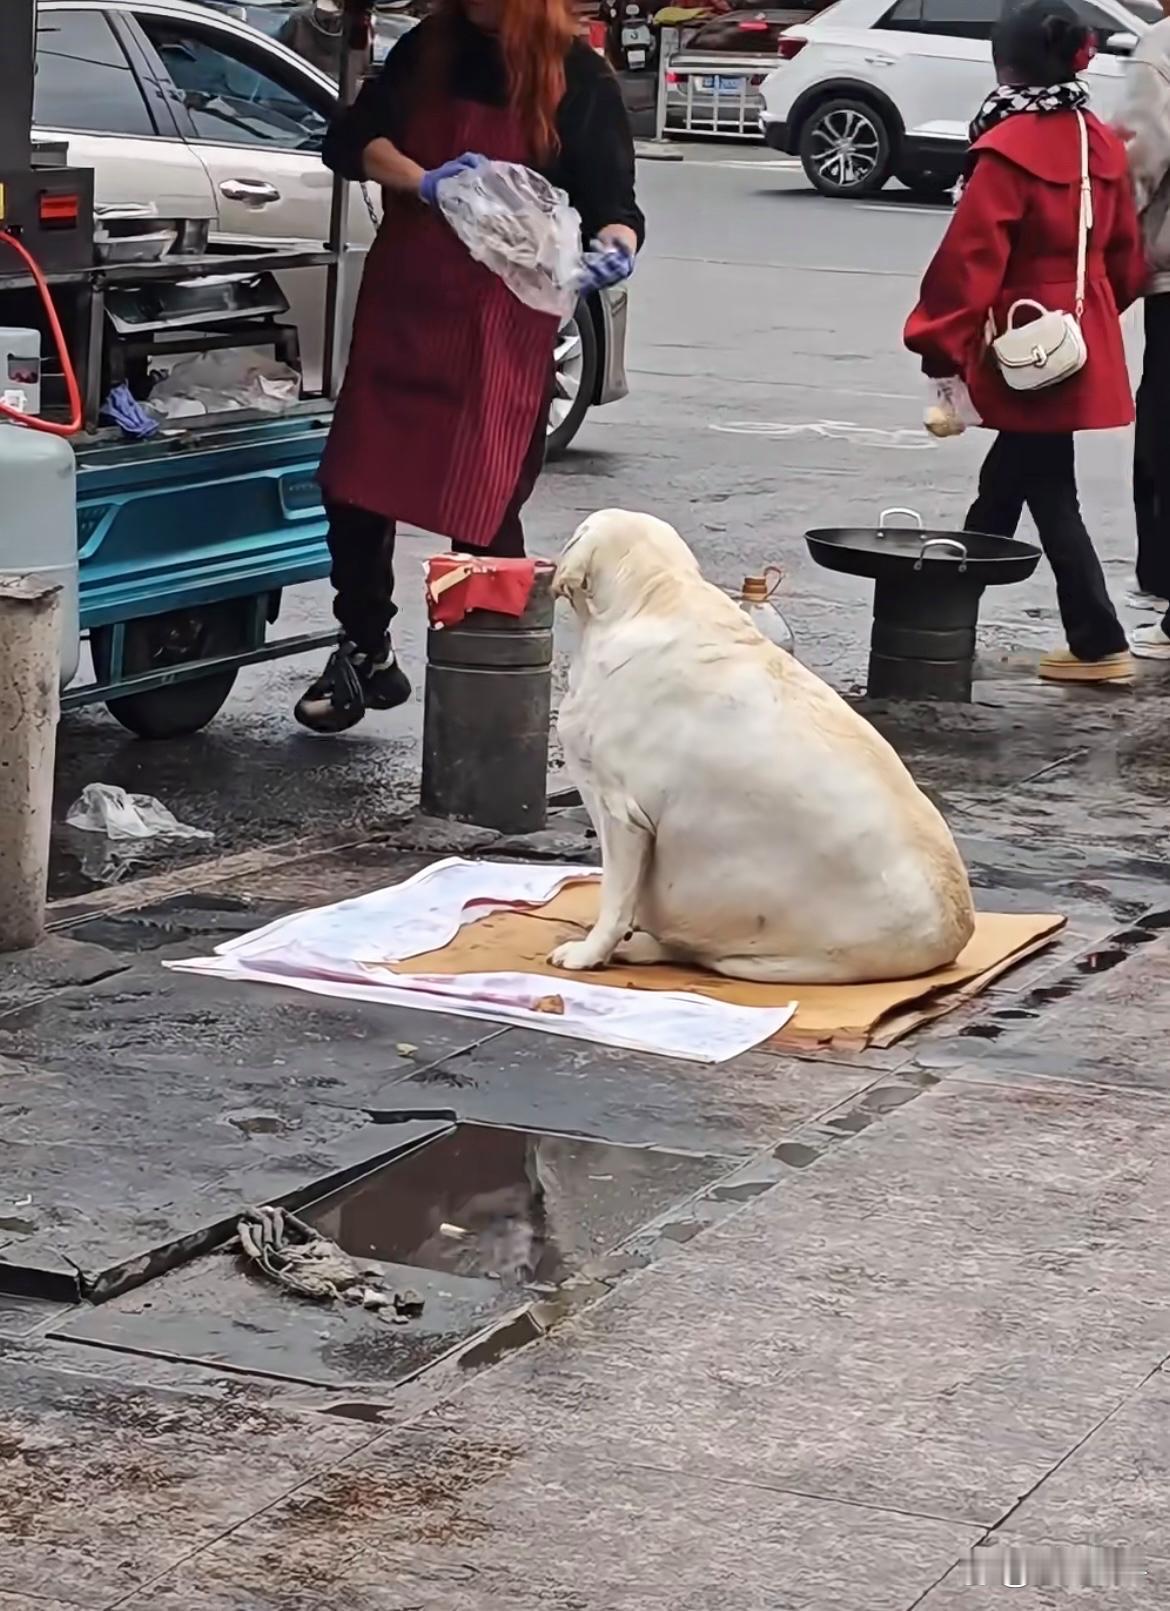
(911, 514)
(951, 544)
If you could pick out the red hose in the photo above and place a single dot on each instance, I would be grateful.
(33, 420)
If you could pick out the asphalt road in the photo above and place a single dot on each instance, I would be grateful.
(770, 394)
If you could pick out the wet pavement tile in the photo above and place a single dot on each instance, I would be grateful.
(33, 1602)
(527, 1078)
(103, 1484)
(24, 1317)
(480, 1222)
(213, 1312)
(1115, 1489)
(932, 1317)
(1112, 1026)
(108, 1215)
(147, 1019)
(482, 1524)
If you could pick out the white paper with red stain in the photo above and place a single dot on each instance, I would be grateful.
(343, 950)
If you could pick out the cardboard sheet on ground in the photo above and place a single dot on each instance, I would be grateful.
(363, 950)
(471, 938)
(841, 1015)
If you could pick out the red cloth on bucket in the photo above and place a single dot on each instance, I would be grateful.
(459, 583)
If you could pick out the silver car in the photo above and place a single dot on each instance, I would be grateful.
(187, 107)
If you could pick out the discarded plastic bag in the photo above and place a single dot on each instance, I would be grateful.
(950, 409)
(521, 227)
(104, 808)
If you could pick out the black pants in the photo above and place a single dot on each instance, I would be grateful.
(361, 546)
(1040, 472)
(1151, 456)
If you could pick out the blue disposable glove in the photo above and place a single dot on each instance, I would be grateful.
(604, 265)
(122, 409)
(430, 181)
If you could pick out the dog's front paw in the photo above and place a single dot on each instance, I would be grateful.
(578, 956)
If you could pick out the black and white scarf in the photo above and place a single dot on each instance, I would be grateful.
(1008, 100)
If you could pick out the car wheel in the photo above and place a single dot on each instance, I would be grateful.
(846, 149)
(927, 186)
(576, 358)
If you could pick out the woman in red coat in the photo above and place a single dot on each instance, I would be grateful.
(1014, 235)
(441, 420)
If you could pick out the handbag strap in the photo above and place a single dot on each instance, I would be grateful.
(1085, 217)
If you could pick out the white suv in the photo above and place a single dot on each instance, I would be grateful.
(877, 89)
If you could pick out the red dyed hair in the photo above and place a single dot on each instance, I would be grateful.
(535, 36)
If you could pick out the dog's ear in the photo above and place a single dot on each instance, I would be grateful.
(571, 578)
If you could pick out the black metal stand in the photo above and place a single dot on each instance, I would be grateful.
(923, 641)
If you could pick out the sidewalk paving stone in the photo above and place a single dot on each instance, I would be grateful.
(103, 1484)
(441, 1521)
(932, 1317)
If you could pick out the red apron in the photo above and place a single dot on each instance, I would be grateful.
(448, 372)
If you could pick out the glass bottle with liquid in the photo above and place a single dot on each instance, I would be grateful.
(756, 601)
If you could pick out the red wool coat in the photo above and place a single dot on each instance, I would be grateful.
(1013, 235)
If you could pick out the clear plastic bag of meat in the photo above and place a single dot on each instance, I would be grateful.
(521, 227)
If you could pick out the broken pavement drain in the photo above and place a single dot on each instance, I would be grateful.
(500, 1231)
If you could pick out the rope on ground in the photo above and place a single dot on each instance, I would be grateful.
(304, 1262)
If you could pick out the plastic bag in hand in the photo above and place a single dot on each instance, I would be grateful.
(950, 409)
(521, 227)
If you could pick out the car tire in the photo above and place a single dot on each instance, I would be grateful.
(577, 356)
(846, 149)
(157, 641)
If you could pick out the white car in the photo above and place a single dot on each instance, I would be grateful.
(877, 89)
(189, 108)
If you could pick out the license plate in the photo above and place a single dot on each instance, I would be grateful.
(722, 86)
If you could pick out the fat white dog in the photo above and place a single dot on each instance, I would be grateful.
(750, 821)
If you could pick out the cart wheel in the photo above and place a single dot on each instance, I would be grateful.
(172, 640)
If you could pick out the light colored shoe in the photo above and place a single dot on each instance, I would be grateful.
(1137, 600)
(1061, 665)
(1150, 643)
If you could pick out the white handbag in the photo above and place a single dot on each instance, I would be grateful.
(1051, 348)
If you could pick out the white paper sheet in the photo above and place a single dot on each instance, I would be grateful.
(341, 950)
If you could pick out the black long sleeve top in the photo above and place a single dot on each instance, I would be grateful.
(595, 159)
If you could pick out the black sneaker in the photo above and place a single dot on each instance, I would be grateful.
(351, 684)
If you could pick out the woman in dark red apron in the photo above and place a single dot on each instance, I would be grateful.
(441, 420)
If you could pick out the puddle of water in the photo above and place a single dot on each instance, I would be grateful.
(850, 1124)
(374, 1413)
(1132, 938)
(796, 1154)
(504, 1340)
(517, 1206)
(742, 1191)
(681, 1230)
(1101, 961)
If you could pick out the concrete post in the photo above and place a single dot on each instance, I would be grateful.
(30, 657)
